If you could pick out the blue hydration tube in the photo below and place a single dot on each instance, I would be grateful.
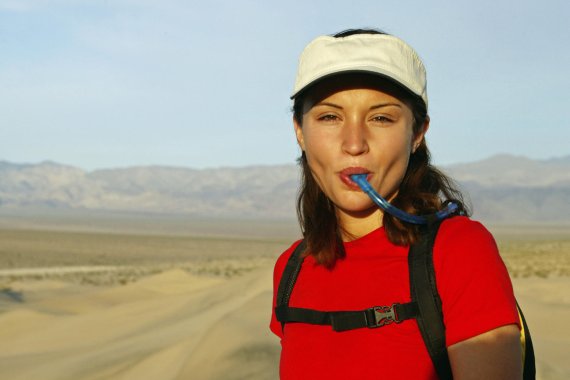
(361, 181)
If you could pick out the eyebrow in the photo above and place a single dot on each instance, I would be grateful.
(381, 105)
(328, 104)
(374, 107)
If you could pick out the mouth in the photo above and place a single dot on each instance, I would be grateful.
(347, 172)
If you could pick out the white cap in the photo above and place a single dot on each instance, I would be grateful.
(381, 54)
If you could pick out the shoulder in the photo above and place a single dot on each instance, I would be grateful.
(467, 245)
(283, 259)
(459, 229)
(460, 238)
(464, 245)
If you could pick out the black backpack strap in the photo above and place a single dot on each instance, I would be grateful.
(529, 369)
(290, 273)
(339, 320)
(424, 292)
(376, 316)
(288, 279)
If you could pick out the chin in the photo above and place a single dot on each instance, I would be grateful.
(359, 206)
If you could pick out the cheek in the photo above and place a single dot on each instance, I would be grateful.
(317, 159)
(395, 145)
(318, 147)
(320, 158)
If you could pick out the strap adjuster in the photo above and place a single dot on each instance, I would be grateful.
(379, 316)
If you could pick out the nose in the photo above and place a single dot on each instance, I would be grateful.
(354, 139)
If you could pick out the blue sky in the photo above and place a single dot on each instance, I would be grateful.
(201, 84)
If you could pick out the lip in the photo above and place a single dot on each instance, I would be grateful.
(345, 174)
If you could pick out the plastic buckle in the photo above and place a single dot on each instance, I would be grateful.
(384, 315)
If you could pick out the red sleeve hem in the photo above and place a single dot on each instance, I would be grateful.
(481, 329)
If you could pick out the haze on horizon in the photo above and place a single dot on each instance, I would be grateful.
(206, 84)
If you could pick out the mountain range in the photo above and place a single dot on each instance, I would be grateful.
(502, 188)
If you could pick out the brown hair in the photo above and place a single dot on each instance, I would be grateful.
(424, 190)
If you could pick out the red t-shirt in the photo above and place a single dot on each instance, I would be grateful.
(472, 280)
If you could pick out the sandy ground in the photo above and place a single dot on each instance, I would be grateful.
(168, 326)
(175, 325)
(546, 306)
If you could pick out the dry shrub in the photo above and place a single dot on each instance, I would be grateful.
(536, 258)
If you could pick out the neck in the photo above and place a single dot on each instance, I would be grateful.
(356, 225)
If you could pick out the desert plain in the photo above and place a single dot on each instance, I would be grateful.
(89, 297)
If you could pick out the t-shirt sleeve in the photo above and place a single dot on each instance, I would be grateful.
(275, 325)
(472, 280)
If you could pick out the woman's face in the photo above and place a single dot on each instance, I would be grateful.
(356, 129)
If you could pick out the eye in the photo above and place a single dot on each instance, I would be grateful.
(328, 117)
(382, 119)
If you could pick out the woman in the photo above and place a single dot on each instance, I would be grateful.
(360, 107)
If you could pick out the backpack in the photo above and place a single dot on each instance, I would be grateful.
(425, 306)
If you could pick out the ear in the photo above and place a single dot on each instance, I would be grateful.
(418, 138)
(299, 134)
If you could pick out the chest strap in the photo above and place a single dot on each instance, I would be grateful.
(376, 316)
